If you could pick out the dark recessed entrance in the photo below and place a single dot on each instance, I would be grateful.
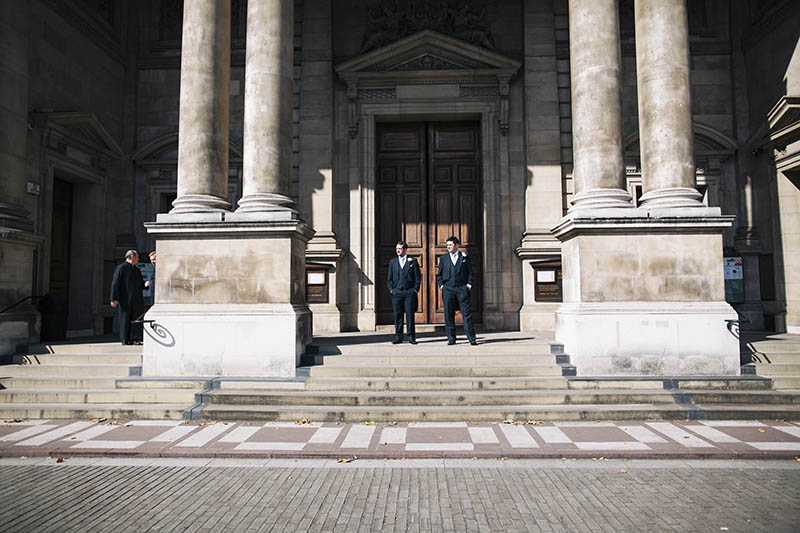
(428, 181)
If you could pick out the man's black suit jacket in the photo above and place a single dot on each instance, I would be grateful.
(450, 275)
(408, 277)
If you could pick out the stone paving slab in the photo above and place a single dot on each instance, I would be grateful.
(159, 438)
(182, 494)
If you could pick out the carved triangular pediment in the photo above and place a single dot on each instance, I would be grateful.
(81, 129)
(428, 50)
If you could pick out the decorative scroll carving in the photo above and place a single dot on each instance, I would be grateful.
(503, 90)
(428, 62)
(377, 93)
(462, 20)
(352, 108)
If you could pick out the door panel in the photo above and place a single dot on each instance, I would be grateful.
(428, 188)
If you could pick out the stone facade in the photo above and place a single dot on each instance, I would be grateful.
(93, 98)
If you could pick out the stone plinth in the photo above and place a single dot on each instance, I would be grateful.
(644, 293)
(230, 296)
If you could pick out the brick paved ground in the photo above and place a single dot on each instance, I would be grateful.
(180, 494)
(683, 439)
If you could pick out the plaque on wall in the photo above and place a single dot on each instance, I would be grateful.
(734, 280)
(547, 281)
(317, 283)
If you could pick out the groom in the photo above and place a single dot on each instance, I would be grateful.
(454, 277)
(404, 280)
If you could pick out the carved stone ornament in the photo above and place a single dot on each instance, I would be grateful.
(423, 59)
(390, 21)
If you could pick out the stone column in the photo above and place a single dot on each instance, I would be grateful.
(599, 169)
(19, 326)
(665, 109)
(269, 66)
(14, 115)
(204, 108)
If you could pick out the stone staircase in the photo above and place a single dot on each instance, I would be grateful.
(362, 377)
(775, 356)
(87, 379)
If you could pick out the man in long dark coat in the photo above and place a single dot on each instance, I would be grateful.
(126, 293)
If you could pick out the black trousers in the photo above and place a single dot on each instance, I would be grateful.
(404, 301)
(457, 298)
(129, 332)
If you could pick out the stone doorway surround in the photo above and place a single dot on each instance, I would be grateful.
(78, 149)
(426, 76)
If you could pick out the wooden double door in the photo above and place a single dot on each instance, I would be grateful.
(428, 187)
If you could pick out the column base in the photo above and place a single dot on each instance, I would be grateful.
(264, 340)
(198, 203)
(265, 202)
(673, 197)
(650, 338)
(601, 198)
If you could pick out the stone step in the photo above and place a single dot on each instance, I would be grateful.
(786, 382)
(64, 370)
(498, 413)
(132, 359)
(433, 384)
(113, 411)
(773, 346)
(706, 383)
(518, 397)
(121, 396)
(438, 347)
(436, 360)
(777, 369)
(50, 382)
(439, 371)
(139, 382)
(82, 347)
(780, 358)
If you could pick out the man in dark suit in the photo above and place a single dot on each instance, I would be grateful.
(403, 282)
(126, 293)
(454, 278)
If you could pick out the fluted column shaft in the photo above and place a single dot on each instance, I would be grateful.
(204, 107)
(269, 70)
(665, 109)
(599, 169)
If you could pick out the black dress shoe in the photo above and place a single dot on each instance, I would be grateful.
(137, 343)
(473, 342)
(451, 342)
(412, 341)
(397, 341)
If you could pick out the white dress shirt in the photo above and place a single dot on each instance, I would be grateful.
(402, 260)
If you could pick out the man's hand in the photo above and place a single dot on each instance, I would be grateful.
(146, 284)
(114, 303)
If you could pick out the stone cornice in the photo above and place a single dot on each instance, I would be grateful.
(690, 220)
(182, 226)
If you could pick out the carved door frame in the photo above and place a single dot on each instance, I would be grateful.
(426, 77)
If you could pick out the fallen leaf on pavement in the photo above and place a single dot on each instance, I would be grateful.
(98, 420)
(302, 421)
(61, 459)
(347, 459)
(393, 424)
(508, 421)
(762, 430)
(112, 423)
(624, 471)
(14, 421)
(368, 423)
